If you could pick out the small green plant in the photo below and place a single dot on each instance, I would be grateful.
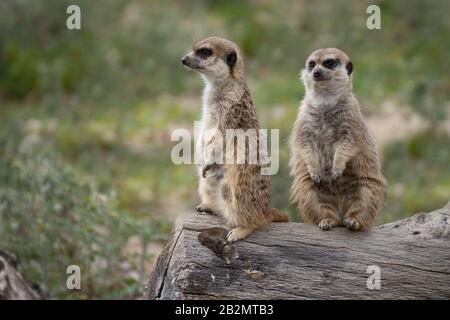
(51, 220)
(418, 174)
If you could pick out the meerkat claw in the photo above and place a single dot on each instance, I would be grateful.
(237, 234)
(317, 179)
(203, 209)
(325, 224)
(208, 167)
(205, 170)
(351, 224)
(232, 237)
(336, 175)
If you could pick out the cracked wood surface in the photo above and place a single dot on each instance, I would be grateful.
(12, 285)
(299, 261)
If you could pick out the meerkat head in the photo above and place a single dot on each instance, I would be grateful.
(328, 72)
(215, 59)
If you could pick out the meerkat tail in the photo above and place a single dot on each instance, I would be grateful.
(278, 215)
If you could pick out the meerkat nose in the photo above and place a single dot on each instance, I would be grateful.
(317, 74)
(185, 60)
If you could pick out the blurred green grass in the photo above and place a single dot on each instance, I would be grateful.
(88, 115)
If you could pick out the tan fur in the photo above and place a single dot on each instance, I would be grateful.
(334, 161)
(237, 191)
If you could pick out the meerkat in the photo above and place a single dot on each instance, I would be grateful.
(238, 192)
(334, 160)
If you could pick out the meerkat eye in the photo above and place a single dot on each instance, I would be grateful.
(203, 52)
(311, 65)
(330, 63)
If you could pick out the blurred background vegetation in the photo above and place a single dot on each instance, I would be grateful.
(85, 170)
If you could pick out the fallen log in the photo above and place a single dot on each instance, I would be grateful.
(410, 258)
(12, 284)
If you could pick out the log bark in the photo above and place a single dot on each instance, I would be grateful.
(300, 261)
(12, 284)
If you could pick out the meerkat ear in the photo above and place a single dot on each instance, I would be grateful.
(231, 59)
(349, 67)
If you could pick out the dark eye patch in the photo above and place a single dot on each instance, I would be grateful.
(331, 63)
(311, 65)
(203, 52)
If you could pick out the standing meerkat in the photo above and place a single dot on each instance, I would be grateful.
(239, 192)
(334, 161)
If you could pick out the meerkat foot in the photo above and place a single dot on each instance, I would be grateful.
(351, 224)
(327, 224)
(204, 209)
(238, 233)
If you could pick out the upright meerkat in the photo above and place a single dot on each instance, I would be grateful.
(239, 192)
(334, 161)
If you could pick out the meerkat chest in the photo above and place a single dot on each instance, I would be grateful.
(327, 125)
(209, 122)
(210, 108)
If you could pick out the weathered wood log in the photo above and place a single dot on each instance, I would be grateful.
(300, 261)
(12, 284)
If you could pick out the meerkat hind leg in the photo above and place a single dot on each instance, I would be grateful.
(328, 218)
(360, 214)
(356, 218)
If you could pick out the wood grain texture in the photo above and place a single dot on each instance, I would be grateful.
(12, 285)
(300, 261)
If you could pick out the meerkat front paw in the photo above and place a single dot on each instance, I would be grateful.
(203, 209)
(336, 174)
(327, 224)
(238, 233)
(208, 167)
(317, 179)
(352, 224)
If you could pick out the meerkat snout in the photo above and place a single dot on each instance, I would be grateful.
(191, 62)
(185, 60)
(318, 75)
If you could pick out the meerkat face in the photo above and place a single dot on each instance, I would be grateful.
(328, 68)
(215, 58)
